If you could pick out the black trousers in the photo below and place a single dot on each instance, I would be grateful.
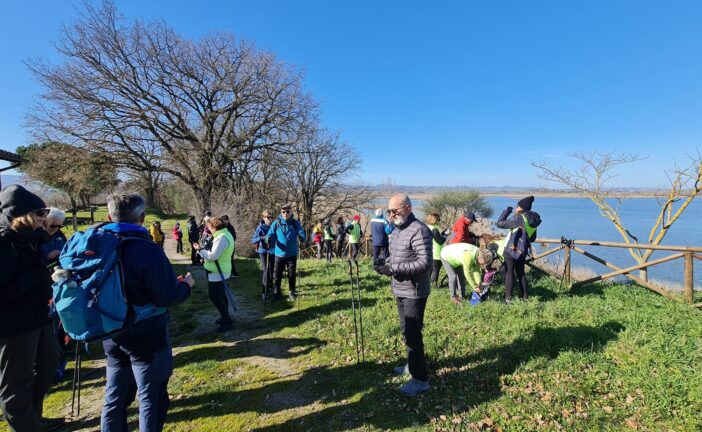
(219, 298)
(267, 263)
(380, 252)
(340, 243)
(411, 312)
(281, 263)
(328, 250)
(515, 266)
(354, 250)
(179, 246)
(435, 269)
(27, 365)
(194, 257)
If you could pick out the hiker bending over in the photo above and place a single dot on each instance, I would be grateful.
(410, 268)
(29, 351)
(522, 232)
(218, 264)
(283, 236)
(464, 263)
(139, 361)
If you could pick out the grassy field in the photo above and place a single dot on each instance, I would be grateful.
(605, 357)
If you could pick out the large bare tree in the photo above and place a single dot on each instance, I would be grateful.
(125, 88)
(591, 178)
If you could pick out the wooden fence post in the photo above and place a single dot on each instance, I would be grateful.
(566, 264)
(689, 283)
(75, 219)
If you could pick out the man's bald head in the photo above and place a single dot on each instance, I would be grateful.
(399, 208)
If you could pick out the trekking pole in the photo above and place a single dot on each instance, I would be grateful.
(353, 308)
(76, 380)
(360, 311)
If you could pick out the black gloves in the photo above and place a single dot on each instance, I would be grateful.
(509, 210)
(383, 269)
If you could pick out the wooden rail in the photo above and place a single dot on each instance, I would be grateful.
(687, 253)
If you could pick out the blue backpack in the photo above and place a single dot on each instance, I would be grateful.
(90, 299)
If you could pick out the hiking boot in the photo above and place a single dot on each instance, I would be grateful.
(456, 300)
(221, 321)
(292, 296)
(401, 370)
(508, 301)
(414, 387)
(51, 424)
(276, 297)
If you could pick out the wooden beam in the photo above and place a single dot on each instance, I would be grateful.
(624, 245)
(545, 253)
(636, 279)
(697, 256)
(688, 282)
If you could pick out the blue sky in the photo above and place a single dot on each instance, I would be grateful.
(446, 93)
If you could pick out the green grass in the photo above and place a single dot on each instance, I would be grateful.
(167, 221)
(603, 357)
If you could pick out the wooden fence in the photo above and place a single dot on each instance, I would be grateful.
(686, 253)
(366, 249)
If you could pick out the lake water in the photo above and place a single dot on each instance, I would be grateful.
(580, 219)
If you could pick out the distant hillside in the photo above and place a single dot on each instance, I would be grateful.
(503, 190)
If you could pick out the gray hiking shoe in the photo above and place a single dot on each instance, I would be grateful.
(414, 387)
(401, 370)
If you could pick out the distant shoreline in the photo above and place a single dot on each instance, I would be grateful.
(518, 195)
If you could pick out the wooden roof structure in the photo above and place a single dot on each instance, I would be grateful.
(14, 160)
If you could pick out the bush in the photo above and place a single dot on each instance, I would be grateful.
(452, 204)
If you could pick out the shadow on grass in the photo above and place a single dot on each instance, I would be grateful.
(466, 381)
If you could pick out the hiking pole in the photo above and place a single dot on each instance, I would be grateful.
(353, 308)
(76, 380)
(360, 312)
(230, 296)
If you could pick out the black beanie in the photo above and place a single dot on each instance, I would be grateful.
(525, 203)
(16, 201)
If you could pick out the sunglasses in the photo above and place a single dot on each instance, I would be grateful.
(397, 210)
(55, 226)
(286, 211)
(41, 212)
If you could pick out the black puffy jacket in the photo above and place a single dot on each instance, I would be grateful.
(25, 282)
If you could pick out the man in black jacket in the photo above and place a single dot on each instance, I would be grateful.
(410, 268)
(193, 237)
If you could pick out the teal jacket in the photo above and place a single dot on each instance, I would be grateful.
(282, 236)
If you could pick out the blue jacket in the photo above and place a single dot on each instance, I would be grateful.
(56, 242)
(283, 235)
(150, 286)
(380, 229)
(259, 237)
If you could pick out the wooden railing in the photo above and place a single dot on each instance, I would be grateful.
(366, 249)
(686, 253)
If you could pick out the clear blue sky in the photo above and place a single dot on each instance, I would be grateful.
(446, 93)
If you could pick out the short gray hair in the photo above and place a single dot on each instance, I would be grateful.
(56, 214)
(404, 199)
(126, 207)
(378, 212)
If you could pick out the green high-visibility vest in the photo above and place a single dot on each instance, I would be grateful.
(355, 233)
(328, 233)
(436, 247)
(225, 258)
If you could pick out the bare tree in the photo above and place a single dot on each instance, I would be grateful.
(596, 169)
(320, 176)
(125, 88)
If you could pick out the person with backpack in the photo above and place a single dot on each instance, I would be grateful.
(328, 239)
(139, 359)
(218, 264)
(380, 229)
(438, 240)
(283, 236)
(522, 232)
(29, 350)
(463, 263)
(355, 235)
(340, 236)
(178, 237)
(265, 253)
